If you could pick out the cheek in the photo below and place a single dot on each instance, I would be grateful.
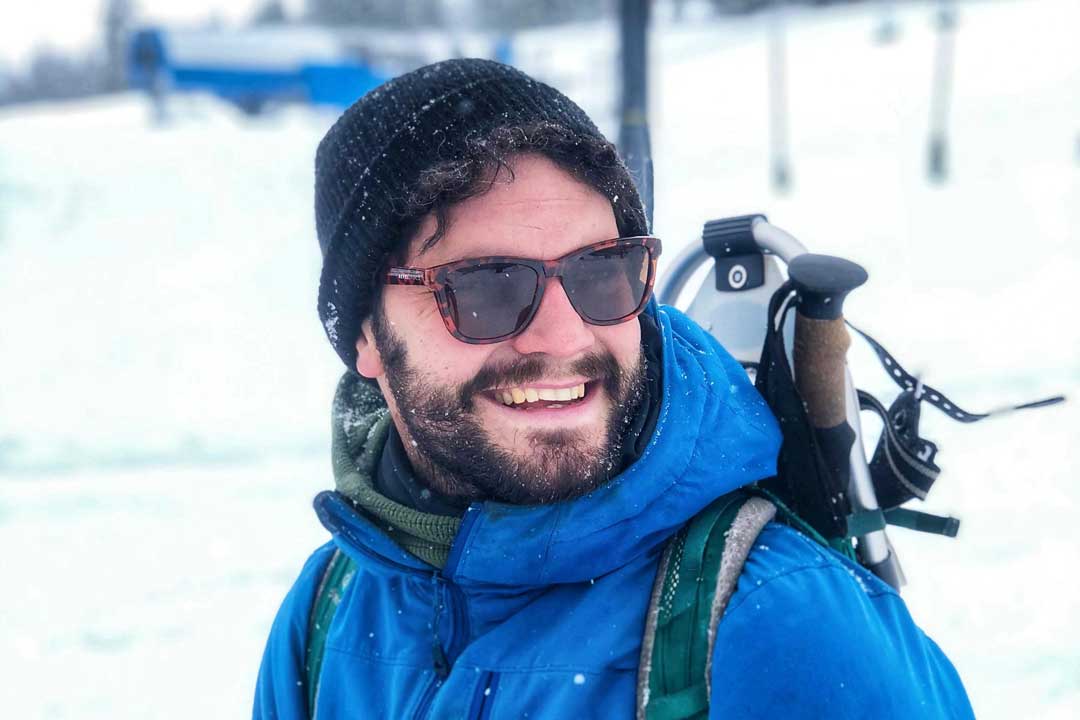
(623, 340)
(413, 316)
(432, 350)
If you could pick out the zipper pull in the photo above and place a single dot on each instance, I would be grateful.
(438, 656)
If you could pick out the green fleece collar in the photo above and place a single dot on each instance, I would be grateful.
(361, 422)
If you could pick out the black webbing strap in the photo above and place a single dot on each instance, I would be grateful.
(903, 466)
(935, 397)
(804, 480)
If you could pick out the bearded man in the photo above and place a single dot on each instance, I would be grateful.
(520, 431)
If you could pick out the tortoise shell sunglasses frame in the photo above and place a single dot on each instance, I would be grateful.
(436, 278)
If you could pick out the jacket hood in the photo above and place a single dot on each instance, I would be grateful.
(714, 434)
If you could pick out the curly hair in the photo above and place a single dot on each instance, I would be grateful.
(592, 160)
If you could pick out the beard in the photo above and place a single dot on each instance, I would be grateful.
(456, 456)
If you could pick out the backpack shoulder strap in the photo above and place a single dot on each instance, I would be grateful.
(339, 571)
(697, 575)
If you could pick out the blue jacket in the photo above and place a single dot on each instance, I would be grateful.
(541, 609)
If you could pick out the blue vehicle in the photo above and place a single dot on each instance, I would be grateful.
(257, 67)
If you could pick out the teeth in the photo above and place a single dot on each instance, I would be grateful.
(517, 396)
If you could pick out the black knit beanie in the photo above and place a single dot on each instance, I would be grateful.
(374, 154)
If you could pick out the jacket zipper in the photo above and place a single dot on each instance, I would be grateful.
(425, 701)
(485, 692)
(458, 635)
(459, 622)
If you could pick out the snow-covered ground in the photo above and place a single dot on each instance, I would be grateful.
(165, 391)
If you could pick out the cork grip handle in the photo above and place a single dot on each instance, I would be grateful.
(820, 351)
(821, 339)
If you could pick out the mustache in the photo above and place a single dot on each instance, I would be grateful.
(595, 366)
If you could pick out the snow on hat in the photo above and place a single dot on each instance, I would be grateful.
(376, 151)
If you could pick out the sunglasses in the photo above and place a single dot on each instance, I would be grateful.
(490, 299)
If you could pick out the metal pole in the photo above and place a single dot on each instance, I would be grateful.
(780, 162)
(887, 29)
(634, 142)
(938, 159)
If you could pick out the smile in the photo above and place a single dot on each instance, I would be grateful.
(540, 397)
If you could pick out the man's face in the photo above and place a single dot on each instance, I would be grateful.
(446, 397)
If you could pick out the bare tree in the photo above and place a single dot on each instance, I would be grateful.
(118, 18)
(381, 13)
(515, 14)
(271, 12)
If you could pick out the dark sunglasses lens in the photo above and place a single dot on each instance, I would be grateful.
(491, 300)
(609, 284)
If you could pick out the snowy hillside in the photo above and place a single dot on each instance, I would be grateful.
(166, 385)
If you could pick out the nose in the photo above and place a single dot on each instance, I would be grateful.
(556, 329)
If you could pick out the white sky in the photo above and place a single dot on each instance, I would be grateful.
(76, 24)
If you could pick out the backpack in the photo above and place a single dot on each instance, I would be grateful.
(696, 577)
